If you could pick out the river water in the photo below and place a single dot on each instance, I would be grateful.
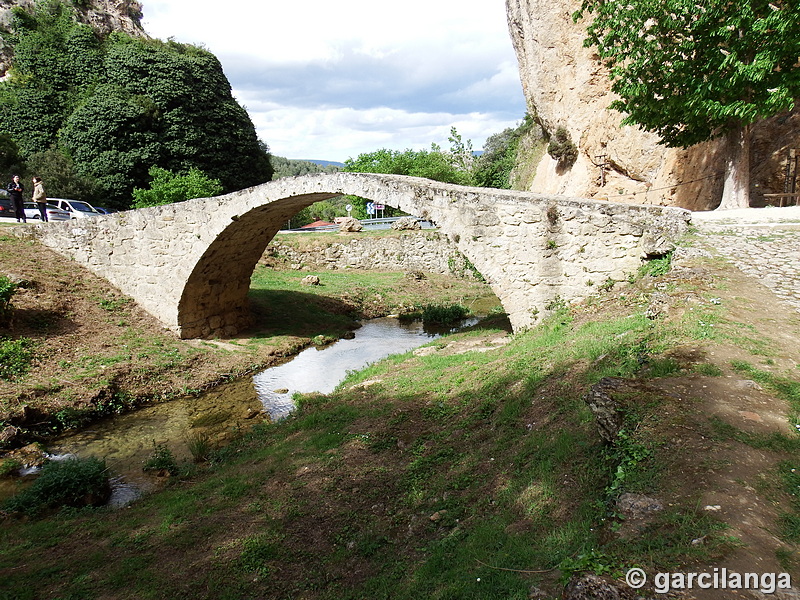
(321, 370)
(219, 415)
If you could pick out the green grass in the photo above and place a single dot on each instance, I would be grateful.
(284, 306)
(16, 357)
(336, 502)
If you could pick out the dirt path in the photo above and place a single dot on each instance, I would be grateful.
(758, 285)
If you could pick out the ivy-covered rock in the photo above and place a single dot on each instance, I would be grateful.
(119, 105)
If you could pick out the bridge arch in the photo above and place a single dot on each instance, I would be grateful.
(189, 264)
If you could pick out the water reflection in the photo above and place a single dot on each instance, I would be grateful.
(127, 441)
(321, 370)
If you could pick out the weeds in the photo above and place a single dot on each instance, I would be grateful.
(440, 314)
(9, 466)
(629, 459)
(73, 482)
(656, 267)
(161, 461)
(200, 447)
(7, 290)
(790, 520)
(16, 357)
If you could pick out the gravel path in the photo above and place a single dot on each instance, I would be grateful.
(762, 242)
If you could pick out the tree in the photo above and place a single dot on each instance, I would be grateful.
(119, 105)
(57, 170)
(10, 160)
(288, 167)
(461, 154)
(167, 187)
(430, 164)
(55, 58)
(694, 71)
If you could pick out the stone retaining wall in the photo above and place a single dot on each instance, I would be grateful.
(427, 251)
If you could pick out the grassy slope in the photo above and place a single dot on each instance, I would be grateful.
(465, 475)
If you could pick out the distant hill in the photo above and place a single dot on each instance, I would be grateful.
(292, 167)
(325, 163)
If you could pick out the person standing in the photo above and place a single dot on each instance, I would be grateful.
(15, 193)
(40, 198)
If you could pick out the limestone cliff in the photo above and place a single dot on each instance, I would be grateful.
(104, 15)
(565, 85)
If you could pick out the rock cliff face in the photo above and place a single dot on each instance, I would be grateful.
(104, 15)
(565, 85)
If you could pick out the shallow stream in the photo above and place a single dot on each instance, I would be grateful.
(127, 441)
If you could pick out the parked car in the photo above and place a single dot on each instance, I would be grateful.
(76, 208)
(104, 211)
(53, 212)
(7, 207)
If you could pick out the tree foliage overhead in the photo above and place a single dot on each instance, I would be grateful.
(691, 71)
(118, 106)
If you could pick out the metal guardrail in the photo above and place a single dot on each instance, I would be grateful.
(383, 223)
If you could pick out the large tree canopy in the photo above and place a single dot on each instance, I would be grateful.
(121, 105)
(693, 71)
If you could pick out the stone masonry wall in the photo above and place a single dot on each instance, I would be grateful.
(427, 251)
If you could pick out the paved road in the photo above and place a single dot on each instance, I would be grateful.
(762, 242)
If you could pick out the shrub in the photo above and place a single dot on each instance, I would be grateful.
(440, 314)
(161, 461)
(73, 482)
(7, 290)
(562, 148)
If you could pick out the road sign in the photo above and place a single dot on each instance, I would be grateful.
(379, 206)
(370, 208)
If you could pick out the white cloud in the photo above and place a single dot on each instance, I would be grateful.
(330, 80)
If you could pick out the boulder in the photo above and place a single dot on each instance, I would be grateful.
(406, 223)
(350, 225)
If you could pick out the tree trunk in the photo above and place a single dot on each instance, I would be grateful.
(736, 191)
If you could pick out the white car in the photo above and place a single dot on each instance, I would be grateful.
(53, 212)
(76, 208)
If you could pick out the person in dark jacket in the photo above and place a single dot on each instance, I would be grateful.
(15, 193)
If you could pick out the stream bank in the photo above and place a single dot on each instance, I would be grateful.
(191, 427)
(96, 354)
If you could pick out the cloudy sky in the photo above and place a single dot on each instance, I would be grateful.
(331, 79)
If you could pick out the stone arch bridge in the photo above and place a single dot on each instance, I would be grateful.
(189, 264)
